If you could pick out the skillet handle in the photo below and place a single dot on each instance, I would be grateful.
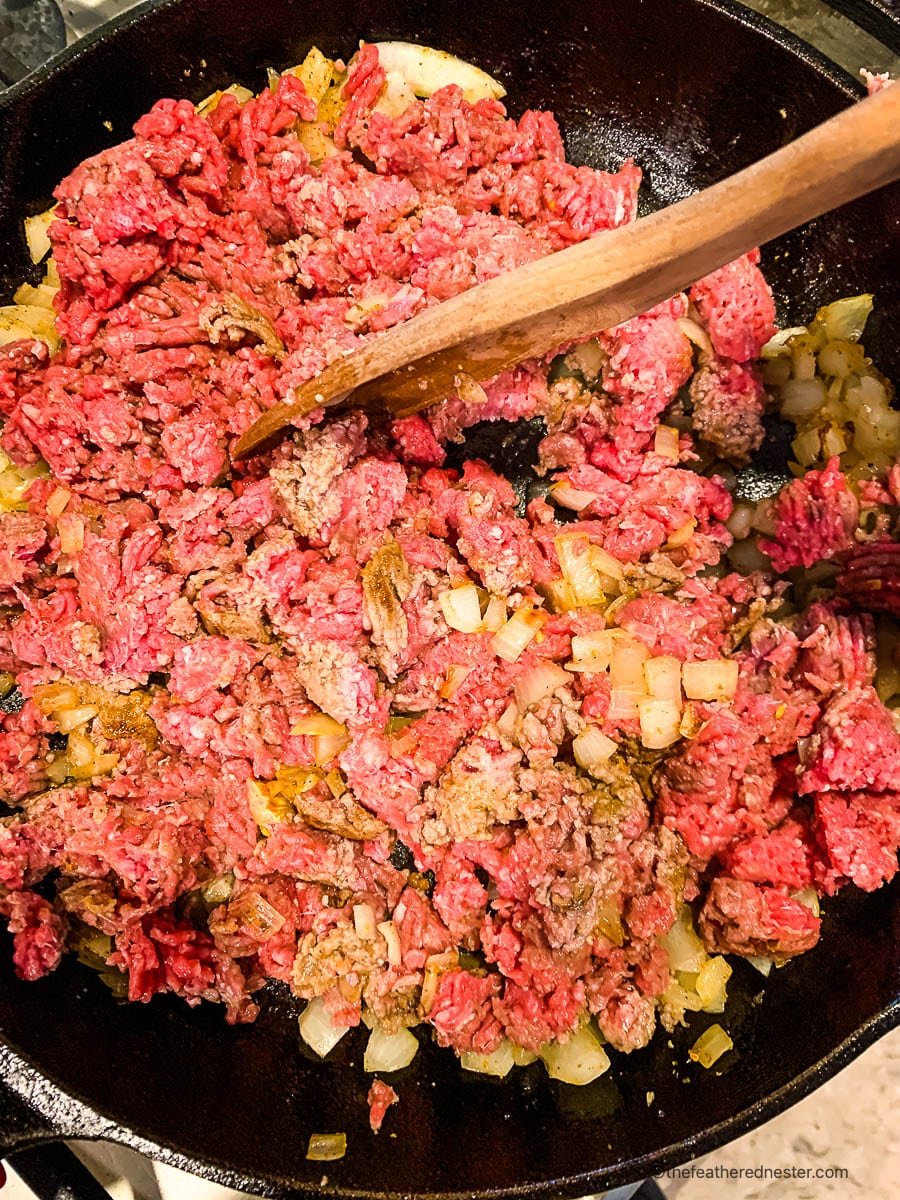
(53, 1172)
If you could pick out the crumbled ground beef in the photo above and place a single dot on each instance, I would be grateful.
(267, 686)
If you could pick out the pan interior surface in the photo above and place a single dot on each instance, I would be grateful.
(625, 77)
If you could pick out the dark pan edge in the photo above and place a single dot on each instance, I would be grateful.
(749, 18)
(47, 1113)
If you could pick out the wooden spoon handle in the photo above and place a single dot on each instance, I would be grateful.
(611, 277)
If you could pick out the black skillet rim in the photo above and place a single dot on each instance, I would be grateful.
(27, 1082)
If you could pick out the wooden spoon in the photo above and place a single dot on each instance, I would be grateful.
(584, 289)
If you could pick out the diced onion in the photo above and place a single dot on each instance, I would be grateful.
(508, 718)
(660, 723)
(682, 534)
(777, 345)
(846, 319)
(592, 652)
(623, 704)
(711, 984)
(518, 633)
(662, 676)
(579, 568)
(386, 1052)
(364, 922)
(592, 748)
(589, 357)
(763, 965)
(427, 70)
(710, 1046)
(665, 442)
(523, 1057)
(685, 949)
(715, 679)
(435, 966)
(26, 322)
(388, 931)
(695, 333)
(326, 748)
(70, 718)
(606, 564)
(802, 397)
(499, 1062)
(626, 668)
(462, 608)
(326, 1147)
(36, 234)
(454, 677)
(560, 595)
(219, 889)
(494, 615)
(580, 1060)
(537, 682)
(317, 1028)
(57, 502)
(71, 533)
(809, 898)
(267, 806)
(318, 725)
(571, 497)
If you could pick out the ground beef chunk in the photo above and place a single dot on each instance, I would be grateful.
(736, 305)
(860, 834)
(728, 401)
(381, 1097)
(814, 519)
(740, 917)
(856, 745)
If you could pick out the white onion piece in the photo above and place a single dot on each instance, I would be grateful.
(494, 615)
(711, 984)
(539, 681)
(623, 704)
(571, 497)
(499, 1062)
(507, 722)
(580, 1060)
(592, 748)
(715, 679)
(25, 322)
(364, 922)
(663, 678)
(665, 442)
(388, 931)
(579, 568)
(386, 1052)
(845, 319)
(593, 651)
(778, 343)
(518, 633)
(696, 334)
(802, 397)
(426, 70)
(317, 1030)
(809, 899)
(461, 608)
(660, 723)
(685, 949)
(36, 234)
(626, 668)
(763, 965)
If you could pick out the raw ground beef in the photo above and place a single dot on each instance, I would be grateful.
(245, 734)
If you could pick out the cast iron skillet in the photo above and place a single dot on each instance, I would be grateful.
(694, 89)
